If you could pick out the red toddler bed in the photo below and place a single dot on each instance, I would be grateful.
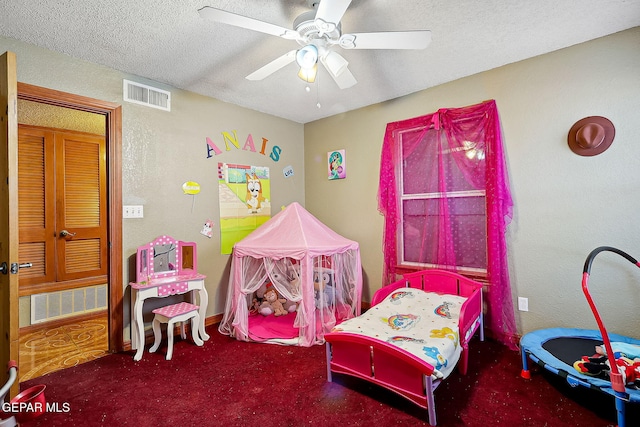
(416, 331)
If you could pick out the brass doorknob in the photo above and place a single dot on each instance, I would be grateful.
(65, 233)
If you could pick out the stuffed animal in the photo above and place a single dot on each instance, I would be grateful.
(255, 306)
(261, 290)
(259, 299)
(260, 304)
(291, 306)
(294, 287)
(324, 290)
(272, 304)
(630, 370)
(598, 364)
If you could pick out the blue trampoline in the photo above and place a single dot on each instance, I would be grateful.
(556, 349)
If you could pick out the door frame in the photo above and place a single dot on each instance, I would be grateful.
(9, 334)
(113, 118)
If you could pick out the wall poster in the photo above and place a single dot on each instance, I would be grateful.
(244, 198)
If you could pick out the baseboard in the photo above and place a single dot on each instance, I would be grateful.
(213, 320)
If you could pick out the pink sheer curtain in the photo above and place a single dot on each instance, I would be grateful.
(452, 150)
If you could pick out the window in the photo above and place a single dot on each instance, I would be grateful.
(431, 185)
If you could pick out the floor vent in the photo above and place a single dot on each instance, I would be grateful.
(55, 305)
(146, 95)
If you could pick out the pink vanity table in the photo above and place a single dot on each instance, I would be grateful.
(165, 267)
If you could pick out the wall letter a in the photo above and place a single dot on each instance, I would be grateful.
(211, 146)
(249, 144)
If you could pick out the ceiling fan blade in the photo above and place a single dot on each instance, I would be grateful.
(222, 16)
(418, 39)
(332, 10)
(273, 66)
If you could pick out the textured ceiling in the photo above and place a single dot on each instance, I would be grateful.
(167, 41)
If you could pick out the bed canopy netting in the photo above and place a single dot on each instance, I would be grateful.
(314, 268)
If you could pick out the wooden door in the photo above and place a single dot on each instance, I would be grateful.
(62, 209)
(8, 216)
(36, 205)
(81, 208)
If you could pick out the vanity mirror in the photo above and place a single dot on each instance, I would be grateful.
(165, 257)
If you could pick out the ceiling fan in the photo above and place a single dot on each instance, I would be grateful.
(318, 31)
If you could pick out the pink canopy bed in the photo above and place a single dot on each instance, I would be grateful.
(316, 272)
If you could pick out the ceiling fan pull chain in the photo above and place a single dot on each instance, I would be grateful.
(318, 93)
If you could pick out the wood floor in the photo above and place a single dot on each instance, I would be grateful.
(57, 347)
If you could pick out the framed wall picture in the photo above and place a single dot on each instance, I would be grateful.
(337, 164)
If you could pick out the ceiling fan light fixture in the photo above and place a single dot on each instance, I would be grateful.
(317, 31)
(308, 74)
(335, 63)
(307, 57)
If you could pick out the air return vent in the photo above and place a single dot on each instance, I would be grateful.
(55, 305)
(146, 95)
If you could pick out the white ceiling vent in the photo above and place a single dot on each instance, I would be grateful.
(146, 95)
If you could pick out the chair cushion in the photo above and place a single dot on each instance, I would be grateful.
(175, 309)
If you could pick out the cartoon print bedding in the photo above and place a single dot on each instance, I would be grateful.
(424, 324)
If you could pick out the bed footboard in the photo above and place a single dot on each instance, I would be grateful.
(471, 320)
(383, 364)
(392, 367)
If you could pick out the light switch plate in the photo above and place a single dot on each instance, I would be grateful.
(133, 211)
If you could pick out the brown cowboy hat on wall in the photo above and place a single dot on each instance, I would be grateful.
(591, 136)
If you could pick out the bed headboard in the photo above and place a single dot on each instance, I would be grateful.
(439, 281)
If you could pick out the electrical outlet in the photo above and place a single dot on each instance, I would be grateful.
(523, 304)
(133, 211)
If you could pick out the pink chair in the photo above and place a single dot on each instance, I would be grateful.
(172, 314)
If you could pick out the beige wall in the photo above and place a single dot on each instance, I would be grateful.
(161, 150)
(565, 205)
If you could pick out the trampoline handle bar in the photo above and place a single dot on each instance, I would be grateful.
(596, 251)
(617, 383)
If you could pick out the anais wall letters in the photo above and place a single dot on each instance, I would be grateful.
(230, 140)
